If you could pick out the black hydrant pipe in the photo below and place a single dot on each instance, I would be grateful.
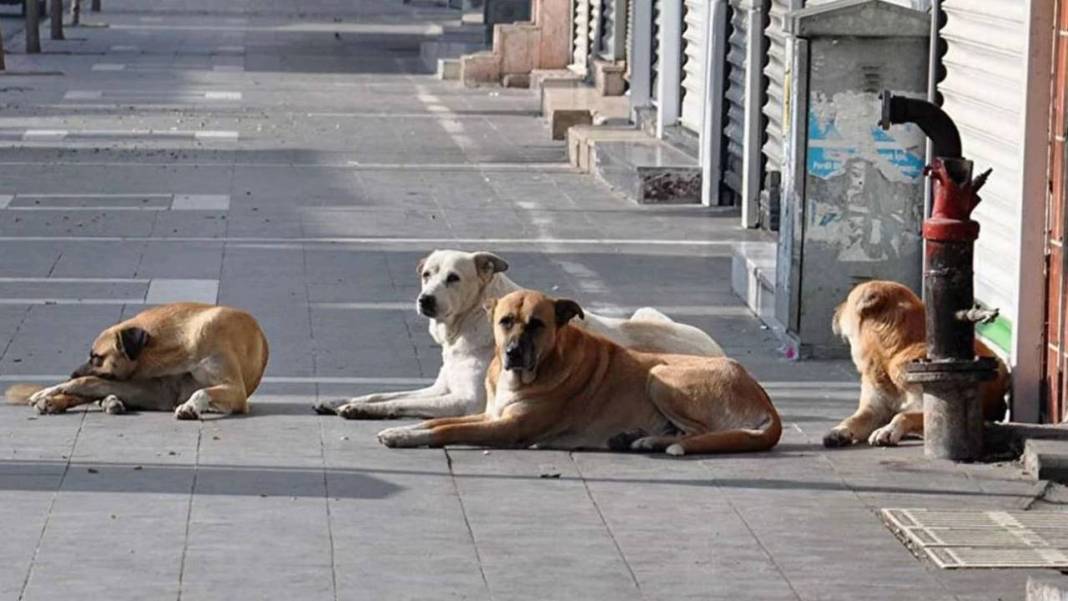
(930, 118)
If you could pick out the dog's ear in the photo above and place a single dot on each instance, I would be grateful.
(133, 340)
(420, 265)
(836, 325)
(488, 264)
(566, 310)
(870, 302)
(488, 306)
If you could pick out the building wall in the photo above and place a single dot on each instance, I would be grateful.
(1056, 384)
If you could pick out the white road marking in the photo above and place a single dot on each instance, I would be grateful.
(383, 28)
(164, 202)
(351, 165)
(18, 280)
(38, 135)
(124, 48)
(266, 379)
(108, 67)
(183, 96)
(384, 241)
(201, 202)
(222, 95)
(163, 290)
(216, 135)
(610, 310)
(83, 95)
(72, 301)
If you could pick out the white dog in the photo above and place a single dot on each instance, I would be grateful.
(455, 286)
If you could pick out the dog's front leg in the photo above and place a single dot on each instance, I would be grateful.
(224, 398)
(471, 430)
(906, 423)
(450, 404)
(333, 407)
(859, 426)
(458, 394)
(74, 392)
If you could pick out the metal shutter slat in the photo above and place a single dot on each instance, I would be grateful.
(693, 67)
(580, 48)
(984, 92)
(733, 166)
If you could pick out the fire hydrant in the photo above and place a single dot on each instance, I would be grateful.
(951, 374)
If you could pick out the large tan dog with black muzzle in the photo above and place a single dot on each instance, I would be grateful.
(885, 325)
(186, 357)
(553, 385)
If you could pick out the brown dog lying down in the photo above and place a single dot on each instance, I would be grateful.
(884, 323)
(183, 357)
(554, 385)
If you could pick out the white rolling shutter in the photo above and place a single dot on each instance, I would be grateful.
(654, 63)
(734, 130)
(694, 30)
(775, 72)
(609, 18)
(580, 48)
(615, 29)
(593, 33)
(983, 92)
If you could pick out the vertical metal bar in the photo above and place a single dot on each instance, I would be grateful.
(1028, 322)
(55, 14)
(33, 24)
(95, 7)
(641, 55)
(669, 75)
(752, 158)
(712, 123)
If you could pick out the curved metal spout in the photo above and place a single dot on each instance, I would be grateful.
(932, 120)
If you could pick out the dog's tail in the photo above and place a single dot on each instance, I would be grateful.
(19, 394)
(650, 314)
(733, 441)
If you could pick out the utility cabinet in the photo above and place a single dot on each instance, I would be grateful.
(852, 194)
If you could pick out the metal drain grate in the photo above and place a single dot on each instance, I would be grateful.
(986, 539)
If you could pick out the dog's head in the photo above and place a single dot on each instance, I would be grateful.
(882, 313)
(525, 328)
(452, 281)
(115, 353)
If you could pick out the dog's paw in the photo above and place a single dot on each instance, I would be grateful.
(186, 411)
(404, 436)
(887, 436)
(675, 450)
(364, 411)
(48, 405)
(198, 404)
(44, 393)
(624, 440)
(327, 407)
(112, 405)
(838, 438)
(646, 444)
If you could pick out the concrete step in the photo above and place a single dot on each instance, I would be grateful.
(582, 138)
(1047, 588)
(432, 52)
(568, 106)
(647, 171)
(753, 277)
(1047, 458)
